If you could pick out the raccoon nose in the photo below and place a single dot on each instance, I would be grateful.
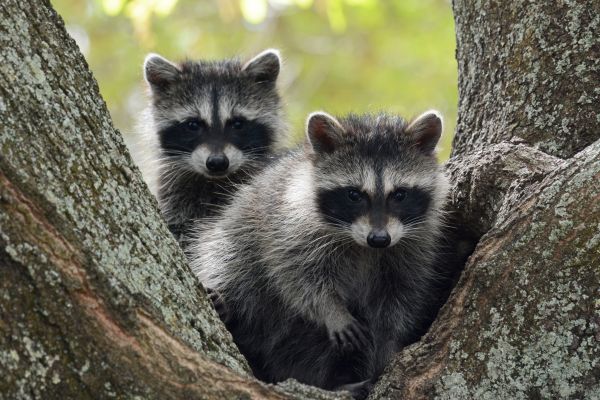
(379, 239)
(217, 163)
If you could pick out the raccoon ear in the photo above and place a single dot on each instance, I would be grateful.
(323, 131)
(159, 72)
(426, 130)
(265, 66)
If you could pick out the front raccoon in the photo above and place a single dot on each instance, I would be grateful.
(324, 261)
(214, 124)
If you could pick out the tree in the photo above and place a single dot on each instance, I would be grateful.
(96, 299)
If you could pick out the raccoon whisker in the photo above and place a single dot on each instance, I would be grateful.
(416, 230)
(258, 148)
(174, 153)
(226, 193)
(427, 224)
(170, 180)
(174, 162)
(166, 161)
(246, 172)
(415, 220)
(338, 223)
(175, 166)
(420, 228)
(171, 177)
(330, 242)
(314, 247)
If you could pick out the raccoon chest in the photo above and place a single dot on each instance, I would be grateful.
(392, 307)
(354, 285)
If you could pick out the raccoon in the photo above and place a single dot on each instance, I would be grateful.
(213, 124)
(324, 261)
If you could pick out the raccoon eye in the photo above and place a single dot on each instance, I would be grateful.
(354, 195)
(399, 194)
(194, 124)
(237, 123)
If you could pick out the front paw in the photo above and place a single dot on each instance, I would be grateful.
(350, 336)
(219, 303)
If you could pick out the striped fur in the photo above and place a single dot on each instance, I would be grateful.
(204, 109)
(308, 297)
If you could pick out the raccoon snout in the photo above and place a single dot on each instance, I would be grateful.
(379, 239)
(217, 163)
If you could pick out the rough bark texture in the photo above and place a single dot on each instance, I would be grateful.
(529, 69)
(524, 318)
(96, 300)
(488, 183)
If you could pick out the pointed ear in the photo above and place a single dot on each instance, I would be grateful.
(159, 72)
(265, 66)
(426, 130)
(324, 132)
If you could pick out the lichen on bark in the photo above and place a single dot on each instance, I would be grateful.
(536, 312)
(528, 69)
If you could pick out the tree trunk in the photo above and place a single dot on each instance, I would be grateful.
(524, 318)
(96, 300)
(528, 68)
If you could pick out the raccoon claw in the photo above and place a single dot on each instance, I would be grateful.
(218, 303)
(351, 337)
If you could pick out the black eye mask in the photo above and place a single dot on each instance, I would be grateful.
(408, 207)
(344, 206)
(341, 206)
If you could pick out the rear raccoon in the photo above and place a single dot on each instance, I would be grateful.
(213, 125)
(324, 261)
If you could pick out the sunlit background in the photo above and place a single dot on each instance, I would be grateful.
(339, 55)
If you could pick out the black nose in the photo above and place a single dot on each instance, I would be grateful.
(379, 239)
(217, 163)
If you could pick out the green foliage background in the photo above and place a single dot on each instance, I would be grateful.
(340, 55)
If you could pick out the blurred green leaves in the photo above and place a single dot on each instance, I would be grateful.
(339, 55)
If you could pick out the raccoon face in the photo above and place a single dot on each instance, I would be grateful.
(376, 177)
(215, 118)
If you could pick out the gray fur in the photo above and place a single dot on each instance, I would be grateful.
(214, 92)
(295, 284)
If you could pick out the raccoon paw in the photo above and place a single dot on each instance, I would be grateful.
(219, 303)
(350, 337)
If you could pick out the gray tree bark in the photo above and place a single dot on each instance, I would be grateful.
(528, 69)
(96, 300)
